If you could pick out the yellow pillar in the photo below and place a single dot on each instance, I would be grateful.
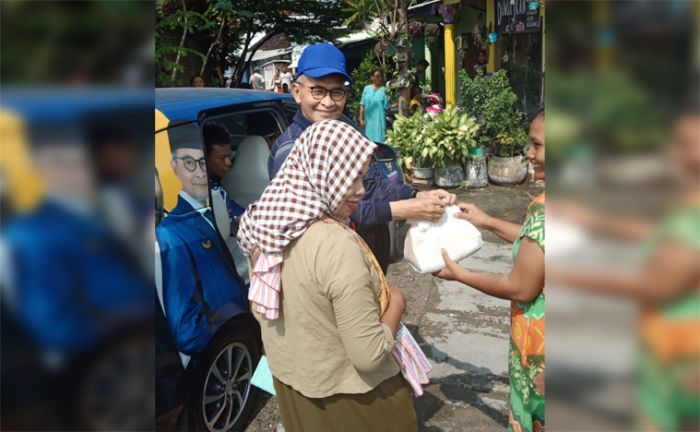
(450, 78)
(491, 26)
(543, 31)
(605, 52)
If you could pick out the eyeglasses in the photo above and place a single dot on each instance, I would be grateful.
(318, 93)
(191, 163)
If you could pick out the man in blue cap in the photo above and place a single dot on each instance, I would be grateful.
(320, 90)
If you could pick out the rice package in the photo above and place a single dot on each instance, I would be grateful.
(424, 240)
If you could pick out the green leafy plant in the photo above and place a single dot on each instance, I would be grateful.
(437, 142)
(407, 136)
(391, 17)
(449, 136)
(494, 104)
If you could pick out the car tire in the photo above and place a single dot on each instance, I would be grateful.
(113, 388)
(221, 397)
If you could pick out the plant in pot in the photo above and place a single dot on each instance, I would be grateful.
(447, 140)
(492, 101)
(507, 165)
(408, 137)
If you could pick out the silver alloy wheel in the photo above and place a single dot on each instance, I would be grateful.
(227, 387)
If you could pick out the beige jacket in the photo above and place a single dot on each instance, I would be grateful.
(328, 339)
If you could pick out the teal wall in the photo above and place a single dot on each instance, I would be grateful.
(467, 18)
(417, 54)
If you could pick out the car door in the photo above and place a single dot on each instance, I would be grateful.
(197, 274)
(203, 299)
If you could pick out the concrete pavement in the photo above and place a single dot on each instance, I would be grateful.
(463, 332)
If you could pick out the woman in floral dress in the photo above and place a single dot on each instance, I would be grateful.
(524, 287)
(666, 287)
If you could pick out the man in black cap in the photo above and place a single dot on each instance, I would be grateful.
(200, 286)
(189, 165)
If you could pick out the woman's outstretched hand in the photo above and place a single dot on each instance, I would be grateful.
(451, 271)
(473, 214)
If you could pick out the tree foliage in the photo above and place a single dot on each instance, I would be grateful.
(391, 17)
(221, 32)
(490, 98)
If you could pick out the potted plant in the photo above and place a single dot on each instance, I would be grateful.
(448, 138)
(505, 167)
(492, 101)
(407, 137)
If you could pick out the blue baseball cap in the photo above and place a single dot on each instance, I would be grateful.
(321, 60)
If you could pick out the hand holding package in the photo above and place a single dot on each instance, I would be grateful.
(425, 239)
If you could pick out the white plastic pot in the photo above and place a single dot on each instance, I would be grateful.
(449, 176)
(423, 173)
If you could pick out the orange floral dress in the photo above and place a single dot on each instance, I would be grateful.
(526, 356)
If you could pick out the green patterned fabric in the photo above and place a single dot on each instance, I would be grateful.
(663, 395)
(533, 227)
(526, 355)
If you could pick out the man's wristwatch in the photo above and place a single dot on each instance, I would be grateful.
(414, 193)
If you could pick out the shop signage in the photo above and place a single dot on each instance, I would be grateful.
(517, 16)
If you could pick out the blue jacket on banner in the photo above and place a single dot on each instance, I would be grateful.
(72, 283)
(379, 191)
(201, 289)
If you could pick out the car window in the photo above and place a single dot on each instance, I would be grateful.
(236, 126)
(290, 108)
(251, 134)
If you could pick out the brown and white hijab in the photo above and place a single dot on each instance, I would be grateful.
(310, 185)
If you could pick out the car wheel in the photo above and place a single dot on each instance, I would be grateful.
(222, 396)
(114, 387)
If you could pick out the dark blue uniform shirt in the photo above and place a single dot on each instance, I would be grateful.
(374, 208)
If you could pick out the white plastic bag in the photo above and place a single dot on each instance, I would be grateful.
(425, 239)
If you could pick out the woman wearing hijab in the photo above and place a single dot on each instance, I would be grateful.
(327, 317)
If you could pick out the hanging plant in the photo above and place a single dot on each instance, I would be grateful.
(415, 28)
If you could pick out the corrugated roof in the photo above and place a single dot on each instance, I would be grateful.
(266, 54)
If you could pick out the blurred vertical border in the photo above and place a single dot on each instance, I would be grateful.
(76, 230)
(623, 134)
